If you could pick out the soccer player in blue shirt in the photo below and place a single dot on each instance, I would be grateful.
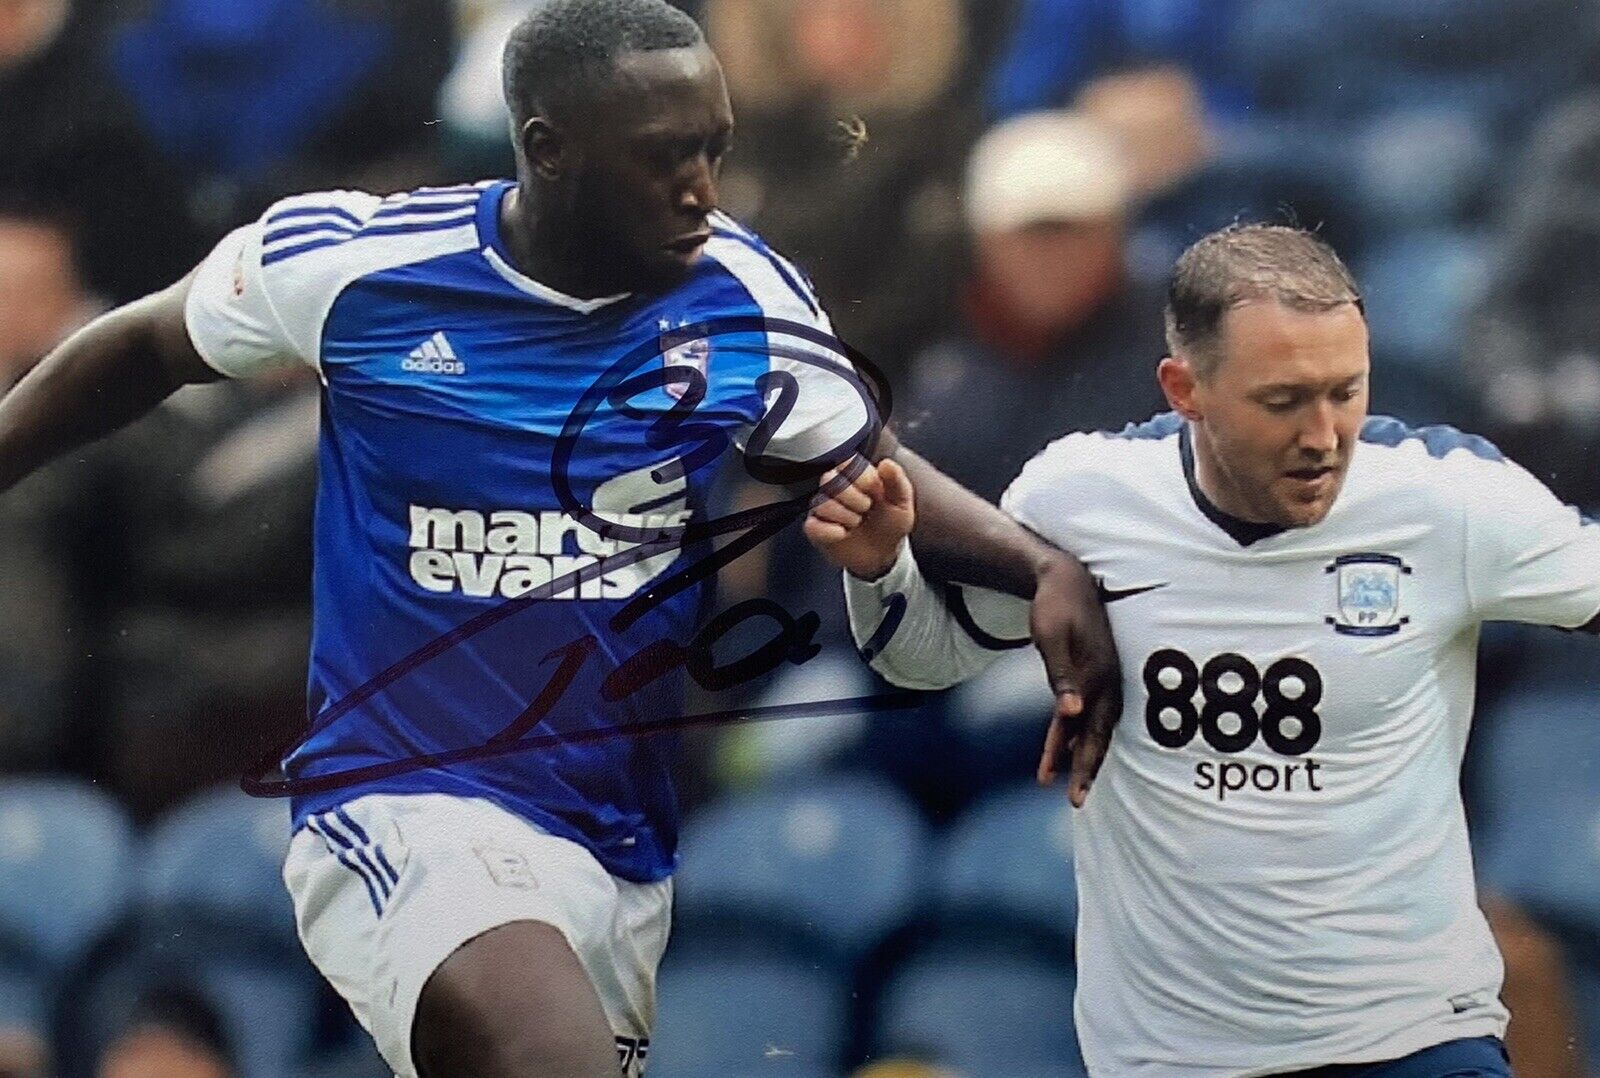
(526, 388)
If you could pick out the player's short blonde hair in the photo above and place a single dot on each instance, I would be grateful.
(1243, 263)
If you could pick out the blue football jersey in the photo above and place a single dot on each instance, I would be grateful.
(503, 470)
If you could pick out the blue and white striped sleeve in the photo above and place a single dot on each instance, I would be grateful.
(230, 317)
(830, 408)
(244, 307)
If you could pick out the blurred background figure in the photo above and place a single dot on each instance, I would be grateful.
(70, 136)
(43, 298)
(202, 579)
(254, 99)
(1059, 46)
(43, 294)
(173, 1033)
(1534, 350)
(854, 116)
(1055, 334)
(156, 585)
(1159, 120)
(24, 1052)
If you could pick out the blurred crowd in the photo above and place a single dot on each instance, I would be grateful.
(988, 195)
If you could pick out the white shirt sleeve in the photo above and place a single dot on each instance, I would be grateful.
(832, 404)
(230, 315)
(920, 635)
(828, 406)
(1529, 557)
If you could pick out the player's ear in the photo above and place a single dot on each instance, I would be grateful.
(543, 146)
(1178, 382)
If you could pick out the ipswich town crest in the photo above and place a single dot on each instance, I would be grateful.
(1367, 591)
(682, 345)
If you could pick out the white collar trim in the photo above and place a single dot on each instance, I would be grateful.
(527, 284)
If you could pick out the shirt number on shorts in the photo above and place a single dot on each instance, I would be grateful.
(1230, 686)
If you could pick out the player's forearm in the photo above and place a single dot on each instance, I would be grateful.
(907, 634)
(960, 537)
(101, 378)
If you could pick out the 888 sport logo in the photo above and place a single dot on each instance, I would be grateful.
(1231, 704)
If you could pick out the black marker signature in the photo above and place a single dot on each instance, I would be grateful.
(701, 443)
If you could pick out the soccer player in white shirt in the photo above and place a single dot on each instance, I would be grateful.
(1273, 870)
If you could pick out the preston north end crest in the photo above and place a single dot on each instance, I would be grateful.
(1367, 594)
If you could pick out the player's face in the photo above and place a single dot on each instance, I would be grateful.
(650, 165)
(1281, 413)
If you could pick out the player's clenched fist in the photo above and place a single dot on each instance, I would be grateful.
(859, 526)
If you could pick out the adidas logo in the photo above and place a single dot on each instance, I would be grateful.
(434, 356)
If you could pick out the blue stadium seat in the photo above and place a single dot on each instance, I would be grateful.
(1583, 978)
(211, 869)
(1538, 838)
(357, 1060)
(1539, 842)
(1272, 41)
(1560, 661)
(732, 1014)
(221, 854)
(812, 743)
(24, 1000)
(1457, 33)
(1012, 855)
(842, 857)
(65, 854)
(983, 1012)
(269, 1009)
(1419, 290)
(1421, 397)
(1000, 718)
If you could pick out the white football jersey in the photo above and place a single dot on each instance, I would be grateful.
(1273, 868)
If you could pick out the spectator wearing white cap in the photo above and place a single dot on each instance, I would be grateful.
(1055, 335)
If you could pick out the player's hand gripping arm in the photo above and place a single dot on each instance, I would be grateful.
(898, 616)
(914, 639)
(103, 377)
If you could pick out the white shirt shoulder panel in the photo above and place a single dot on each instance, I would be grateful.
(1529, 557)
(261, 297)
(831, 405)
(1084, 477)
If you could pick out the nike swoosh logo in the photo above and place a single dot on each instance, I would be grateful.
(1111, 595)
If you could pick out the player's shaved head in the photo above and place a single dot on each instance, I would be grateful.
(565, 50)
(1243, 264)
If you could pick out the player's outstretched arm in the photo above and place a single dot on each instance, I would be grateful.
(899, 619)
(103, 377)
(914, 638)
(962, 538)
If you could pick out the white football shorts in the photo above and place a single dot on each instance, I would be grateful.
(386, 888)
